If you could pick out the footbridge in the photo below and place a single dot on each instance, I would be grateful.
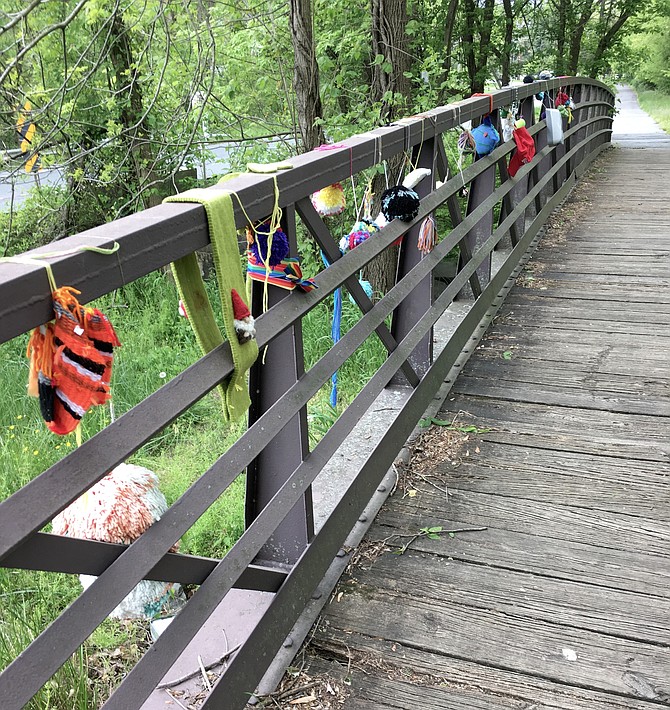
(486, 524)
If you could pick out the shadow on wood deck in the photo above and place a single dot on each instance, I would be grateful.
(563, 599)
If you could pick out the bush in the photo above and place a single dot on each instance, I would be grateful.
(36, 222)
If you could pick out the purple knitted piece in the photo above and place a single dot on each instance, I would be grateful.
(259, 247)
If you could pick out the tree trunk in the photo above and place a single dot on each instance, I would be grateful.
(485, 30)
(606, 40)
(561, 36)
(131, 113)
(476, 62)
(392, 88)
(469, 45)
(306, 75)
(576, 37)
(390, 84)
(449, 23)
(506, 58)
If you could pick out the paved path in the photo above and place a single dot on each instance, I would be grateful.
(562, 600)
(633, 127)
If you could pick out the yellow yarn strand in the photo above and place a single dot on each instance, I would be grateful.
(275, 221)
(33, 261)
(39, 260)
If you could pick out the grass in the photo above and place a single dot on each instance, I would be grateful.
(157, 345)
(657, 105)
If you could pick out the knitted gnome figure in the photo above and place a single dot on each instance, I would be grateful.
(245, 328)
(119, 508)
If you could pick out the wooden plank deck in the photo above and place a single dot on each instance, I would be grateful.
(563, 599)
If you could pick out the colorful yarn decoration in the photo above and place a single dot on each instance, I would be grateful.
(486, 137)
(287, 274)
(70, 362)
(119, 508)
(329, 201)
(358, 237)
(427, 235)
(258, 243)
(367, 287)
(466, 143)
(243, 322)
(360, 232)
(367, 225)
(400, 203)
(335, 334)
(335, 331)
(565, 111)
(561, 99)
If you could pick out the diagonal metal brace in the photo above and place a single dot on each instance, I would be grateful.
(326, 241)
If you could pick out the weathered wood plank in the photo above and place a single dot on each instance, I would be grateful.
(634, 436)
(547, 337)
(644, 326)
(514, 391)
(635, 293)
(510, 642)
(389, 690)
(526, 552)
(601, 369)
(620, 310)
(566, 603)
(581, 480)
(535, 693)
(546, 519)
(621, 281)
(604, 270)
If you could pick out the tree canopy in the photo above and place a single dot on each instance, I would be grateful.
(125, 94)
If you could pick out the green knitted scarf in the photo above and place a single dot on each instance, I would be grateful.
(221, 221)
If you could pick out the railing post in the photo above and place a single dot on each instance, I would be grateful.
(547, 162)
(419, 300)
(480, 188)
(576, 93)
(611, 100)
(539, 169)
(277, 369)
(584, 115)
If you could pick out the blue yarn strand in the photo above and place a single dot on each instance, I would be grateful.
(335, 332)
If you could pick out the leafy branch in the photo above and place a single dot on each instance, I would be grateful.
(432, 533)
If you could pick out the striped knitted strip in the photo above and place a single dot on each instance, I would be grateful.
(287, 274)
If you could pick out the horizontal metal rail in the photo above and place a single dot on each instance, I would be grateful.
(56, 553)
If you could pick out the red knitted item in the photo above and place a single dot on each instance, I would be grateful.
(525, 150)
(71, 361)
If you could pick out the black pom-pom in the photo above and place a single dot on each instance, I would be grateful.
(400, 203)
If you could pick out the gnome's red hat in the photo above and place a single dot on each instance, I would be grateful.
(240, 308)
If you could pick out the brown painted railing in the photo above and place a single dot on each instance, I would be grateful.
(279, 552)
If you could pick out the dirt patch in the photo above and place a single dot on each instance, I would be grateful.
(304, 687)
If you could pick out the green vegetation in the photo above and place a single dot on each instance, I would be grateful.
(657, 104)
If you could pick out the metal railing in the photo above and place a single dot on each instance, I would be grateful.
(279, 552)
